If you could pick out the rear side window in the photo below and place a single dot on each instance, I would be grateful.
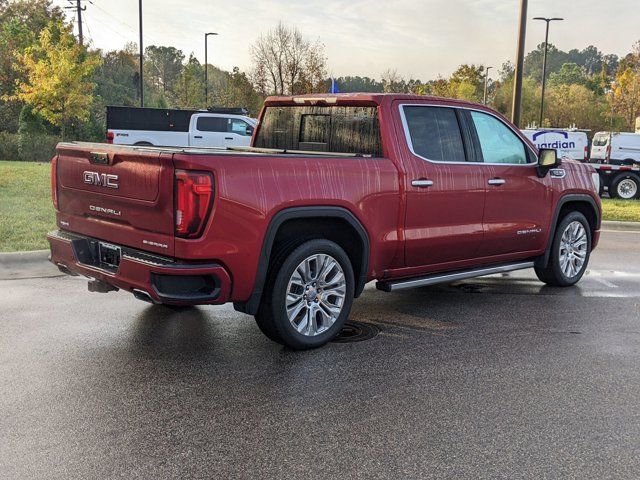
(335, 129)
(212, 124)
(435, 133)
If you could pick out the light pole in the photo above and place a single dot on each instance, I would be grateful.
(206, 70)
(486, 81)
(517, 74)
(544, 62)
(141, 55)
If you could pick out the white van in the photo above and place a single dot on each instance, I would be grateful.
(616, 148)
(568, 143)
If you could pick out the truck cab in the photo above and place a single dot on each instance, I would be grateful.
(220, 130)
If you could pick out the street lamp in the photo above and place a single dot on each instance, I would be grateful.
(544, 61)
(486, 81)
(206, 76)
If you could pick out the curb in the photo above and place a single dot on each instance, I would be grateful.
(18, 258)
(621, 226)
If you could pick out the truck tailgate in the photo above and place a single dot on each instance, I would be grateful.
(116, 194)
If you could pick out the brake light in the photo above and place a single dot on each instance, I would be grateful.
(54, 181)
(586, 153)
(607, 156)
(110, 137)
(193, 200)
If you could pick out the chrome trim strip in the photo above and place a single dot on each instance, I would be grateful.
(391, 286)
(407, 136)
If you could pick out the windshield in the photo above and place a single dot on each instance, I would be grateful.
(600, 140)
(335, 129)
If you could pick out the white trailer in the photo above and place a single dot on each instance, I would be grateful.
(620, 181)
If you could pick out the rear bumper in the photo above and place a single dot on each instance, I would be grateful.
(162, 279)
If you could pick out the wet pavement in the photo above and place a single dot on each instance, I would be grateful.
(498, 377)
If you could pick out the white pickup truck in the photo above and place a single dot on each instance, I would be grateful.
(216, 127)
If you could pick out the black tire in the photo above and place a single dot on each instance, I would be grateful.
(618, 189)
(272, 317)
(552, 274)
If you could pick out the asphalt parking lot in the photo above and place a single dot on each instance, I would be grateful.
(497, 377)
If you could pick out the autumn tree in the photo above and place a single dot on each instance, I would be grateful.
(58, 73)
(284, 62)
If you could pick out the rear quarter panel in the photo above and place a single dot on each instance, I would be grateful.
(251, 189)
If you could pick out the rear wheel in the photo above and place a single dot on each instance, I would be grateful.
(308, 295)
(569, 253)
(625, 187)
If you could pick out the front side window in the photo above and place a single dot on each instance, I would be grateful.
(600, 140)
(238, 126)
(435, 133)
(499, 144)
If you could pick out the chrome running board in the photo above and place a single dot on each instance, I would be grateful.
(402, 284)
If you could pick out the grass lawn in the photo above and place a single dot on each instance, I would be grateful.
(623, 210)
(26, 211)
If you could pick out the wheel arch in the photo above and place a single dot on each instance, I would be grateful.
(582, 203)
(314, 216)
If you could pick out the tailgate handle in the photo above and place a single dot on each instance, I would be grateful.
(99, 158)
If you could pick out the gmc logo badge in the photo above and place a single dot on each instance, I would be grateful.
(100, 179)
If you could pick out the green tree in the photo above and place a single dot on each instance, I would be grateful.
(58, 77)
(530, 99)
(569, 73)
(20, 25)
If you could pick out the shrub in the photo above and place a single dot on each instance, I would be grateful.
(9, 146)
(37, 148)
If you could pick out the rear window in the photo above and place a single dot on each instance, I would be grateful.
(334, 129)
(600, 140)
(212, 124)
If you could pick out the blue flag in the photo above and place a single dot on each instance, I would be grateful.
(334, 86)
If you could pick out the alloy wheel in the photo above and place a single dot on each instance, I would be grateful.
(315, 294)
(573, 249)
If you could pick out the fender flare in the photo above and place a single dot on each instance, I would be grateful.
(252, 304)
(572, 197)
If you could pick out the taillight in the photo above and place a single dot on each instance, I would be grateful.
(110, 137)
(607, 156)
(194, 197)
(586, 153)
(54, 181)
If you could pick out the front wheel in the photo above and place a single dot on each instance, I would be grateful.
(570, 252)
(308, 295)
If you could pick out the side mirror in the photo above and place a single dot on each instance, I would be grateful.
(547, 159)
(249, 131)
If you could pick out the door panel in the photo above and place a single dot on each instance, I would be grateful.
(444, 193)
(518, 203)
(209, 132)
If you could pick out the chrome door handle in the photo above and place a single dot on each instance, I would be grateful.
(497, 181)
(228, 138)
(422, 183)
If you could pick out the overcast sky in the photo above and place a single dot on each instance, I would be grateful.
(418, 38)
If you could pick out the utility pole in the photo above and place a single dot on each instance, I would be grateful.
(544, 63)
(141, 55)
(486, 82)
(206, 70)
(79, 9)
(517, 77)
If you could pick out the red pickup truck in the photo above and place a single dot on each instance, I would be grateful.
(335, 191)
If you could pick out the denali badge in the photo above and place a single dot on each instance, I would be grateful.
(100, 179)
(110, 211)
